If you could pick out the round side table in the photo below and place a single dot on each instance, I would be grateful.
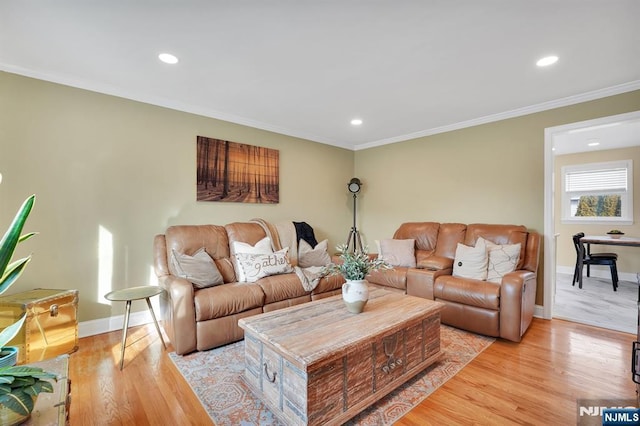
(128, 295)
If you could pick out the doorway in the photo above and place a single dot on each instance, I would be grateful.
(600, 137)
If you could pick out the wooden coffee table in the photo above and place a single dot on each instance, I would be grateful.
(316, 363)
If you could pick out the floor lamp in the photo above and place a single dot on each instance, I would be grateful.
(354, 240)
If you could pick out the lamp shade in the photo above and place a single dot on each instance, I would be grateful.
(354, 185)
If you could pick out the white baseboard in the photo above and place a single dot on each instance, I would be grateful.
(600, 272)
(105, 325)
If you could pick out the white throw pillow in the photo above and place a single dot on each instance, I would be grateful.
(471, 262)
(256, 266)
(502, 260)
(200, 269)
(262, 247)
(316, 256)
(398, 252)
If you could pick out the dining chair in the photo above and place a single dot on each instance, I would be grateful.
(589, 259)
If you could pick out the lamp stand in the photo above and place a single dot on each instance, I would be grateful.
(354, 234)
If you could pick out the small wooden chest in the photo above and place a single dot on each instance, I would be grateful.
(53, 408)
(51, 327)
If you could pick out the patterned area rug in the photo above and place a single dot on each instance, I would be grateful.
(215, 377)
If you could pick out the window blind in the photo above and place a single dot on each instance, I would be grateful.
(597, 180)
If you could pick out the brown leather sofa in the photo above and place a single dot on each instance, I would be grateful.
(502, 309)
(201, 319)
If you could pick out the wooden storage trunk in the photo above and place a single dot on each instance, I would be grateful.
(318, 364)
(51, 327)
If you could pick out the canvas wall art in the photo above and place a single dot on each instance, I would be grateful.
(237, 172)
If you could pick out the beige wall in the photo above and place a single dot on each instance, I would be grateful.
(491, 173)
(101, 161)
(97, 160)
(628, 259)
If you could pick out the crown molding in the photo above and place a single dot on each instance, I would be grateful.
(231, 118)
(570, 100)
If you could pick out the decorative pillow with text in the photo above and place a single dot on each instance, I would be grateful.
(262, 247)
(256, 266)
(199, 269)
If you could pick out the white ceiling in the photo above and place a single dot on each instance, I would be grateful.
(306, 68)
(613, 132)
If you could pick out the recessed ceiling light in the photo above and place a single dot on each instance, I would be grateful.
(546, 61)
(168, 58)
(356, 122)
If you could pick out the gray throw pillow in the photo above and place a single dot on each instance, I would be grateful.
(398, 252)
(200, 269)
(313, 256)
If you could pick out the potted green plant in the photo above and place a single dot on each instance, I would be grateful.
(19, 389)
(615, 233)
(19, 385)
(354, 266)
(10, 271)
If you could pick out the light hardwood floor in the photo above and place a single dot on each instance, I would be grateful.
(537, 381)
(596, 303)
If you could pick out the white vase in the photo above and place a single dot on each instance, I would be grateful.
(355, 294)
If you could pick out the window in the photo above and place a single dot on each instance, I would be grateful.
(598, 193)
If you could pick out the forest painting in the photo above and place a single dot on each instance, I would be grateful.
(236, 172)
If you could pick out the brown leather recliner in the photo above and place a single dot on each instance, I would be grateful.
(502, 309)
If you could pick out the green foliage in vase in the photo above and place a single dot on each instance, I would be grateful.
(355, 265)
(10, 271)
(19, 385)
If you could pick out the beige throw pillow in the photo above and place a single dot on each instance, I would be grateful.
(316, 256)
(262, 247)
(398, 252)
(200, 269)
(256, 266)
(471, 262)
(502, 260)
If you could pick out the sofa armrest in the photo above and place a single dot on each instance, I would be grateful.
(420, 281)
(177, 308)
(517, 303)
(436, 262)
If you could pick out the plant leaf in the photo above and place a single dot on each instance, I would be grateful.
(23, 370)
(10, 332)
(12, 236)
(18, 370)
(23, 381)
(39, 387)
(25, 237)
(13, 272)
(18, 402)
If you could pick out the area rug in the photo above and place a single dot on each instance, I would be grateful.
(215, 377)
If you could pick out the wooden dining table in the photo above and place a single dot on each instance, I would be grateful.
(622, 241)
